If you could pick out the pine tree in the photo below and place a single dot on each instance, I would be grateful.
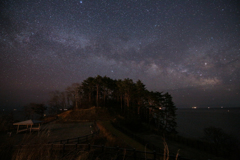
(169, 119)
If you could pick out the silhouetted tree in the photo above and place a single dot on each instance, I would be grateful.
(39, 109)
(32, 108)
(108, 88)
(128, 87)
(88, 88)
(73, 95)
(54, 102)
(155, 103)
(169, 114)
(215, 135)
(98, 83)
(153, 107)
(140, 94)
(28, 112)
(63, 100)
(226, 144)
(120, 91)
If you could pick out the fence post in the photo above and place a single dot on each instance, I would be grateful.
(134, 154)
(154, 155)
(78, 140)
(89, 146)
(63, 150)
(102, 148)
(51, 150)
(87, 138)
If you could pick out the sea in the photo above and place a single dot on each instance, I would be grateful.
(18, 115)
(191, 122)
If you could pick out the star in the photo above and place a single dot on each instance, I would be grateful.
(168, 46)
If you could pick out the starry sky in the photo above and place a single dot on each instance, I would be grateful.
(189, 48)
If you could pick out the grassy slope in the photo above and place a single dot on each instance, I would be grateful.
(185, 151)
(90, 114)
(102, 115)
(131, 142)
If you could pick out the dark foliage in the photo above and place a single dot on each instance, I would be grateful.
(32, 108)
(125, 97)
(227, 144)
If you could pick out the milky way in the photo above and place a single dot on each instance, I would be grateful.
(189, 48)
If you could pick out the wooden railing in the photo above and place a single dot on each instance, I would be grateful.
(67, 146)
(76, 140)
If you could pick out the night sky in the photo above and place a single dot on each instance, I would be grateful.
(189, 48)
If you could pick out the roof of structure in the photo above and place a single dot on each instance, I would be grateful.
(27, 122)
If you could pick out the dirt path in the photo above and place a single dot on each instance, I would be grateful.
(59, 131)
(50, 132)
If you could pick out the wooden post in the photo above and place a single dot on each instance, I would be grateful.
(154, 155)
(134, 153)
(89, 146)
(51, 149)
(17, 128)
(63, 150)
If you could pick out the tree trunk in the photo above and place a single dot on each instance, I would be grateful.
(97, 95)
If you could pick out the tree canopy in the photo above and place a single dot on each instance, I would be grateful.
(126, 96)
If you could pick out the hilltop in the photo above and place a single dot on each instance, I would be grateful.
(85, 115)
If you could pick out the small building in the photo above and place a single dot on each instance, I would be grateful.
(29, 125)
